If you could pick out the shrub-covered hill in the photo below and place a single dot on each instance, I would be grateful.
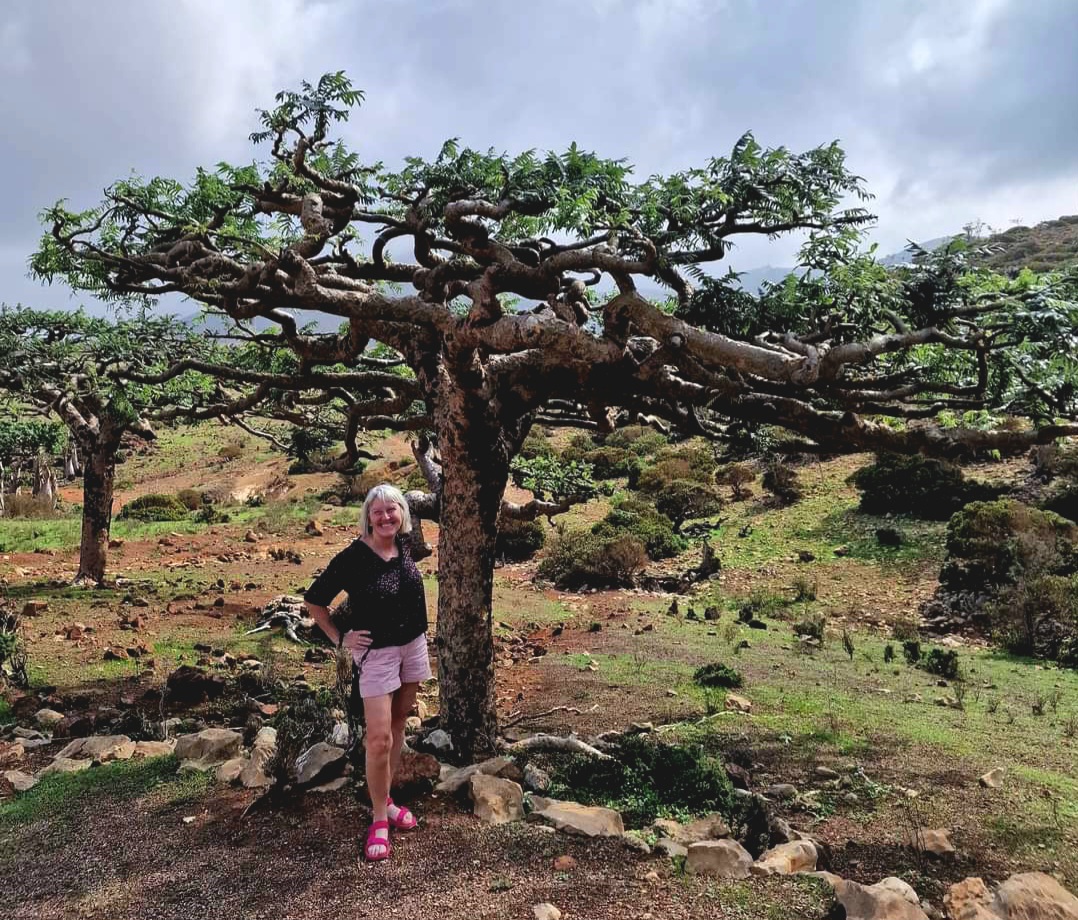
(1048, 246)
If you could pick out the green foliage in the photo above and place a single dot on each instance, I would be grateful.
(580, 558)
(814, 628)
(911, 651)
(12, 651)
(643, 521)
(941, 662)
(536, 444)
(639, 440)
(1038, 616)
(737, 476)
(305, 441)
(553, 477)
(921, 486)
(23, 439)
(647, 779)
(191, 499)
(519, 540)
(684, 499)
(301, 722)
(994, 543)
(717, 675)
(782, 482)
(154, 507)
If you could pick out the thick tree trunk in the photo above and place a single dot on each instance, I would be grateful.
(475, 465)
(98, 483)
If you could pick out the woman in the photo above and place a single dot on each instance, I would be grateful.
(386, 634)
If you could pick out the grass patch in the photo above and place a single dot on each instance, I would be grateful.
(59, 795)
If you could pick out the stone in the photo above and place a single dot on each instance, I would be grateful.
(153, 748)
(993, 779)
(35, 606)
(782, 791)
(319, 763)
(439, 741)
(902, 888)
(545, 911)
(739, 776)
(12, 751)
(873, 902)
(207, 748)
(250, 537)
(710, 827)
(825, 773)
(20, 782)
(413, 724)
(314, 528)
(230, 770)
(113, 653)
(736, 703)
(73, 726)
(100, 748)
(718, 859)
(417, 770)
(573, 818)
(564, 863)
(786, 859)
(497, 800)
(969, 900)
(535, 779)
(189, 685)
(1034, 896)
(454, 781)
(933, 841)
(254, 774)
(671, 848)
(66, 765)
(339, 734)
(47, 718)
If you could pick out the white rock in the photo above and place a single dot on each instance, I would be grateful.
(786, 859)
(47, 718)
(545, 911)
(100, 748)
(497, 800)
(207, 748)
(20, 782)
(573, 818)
(719, 859)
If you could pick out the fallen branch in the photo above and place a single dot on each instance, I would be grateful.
(515, 718)
(556, 743)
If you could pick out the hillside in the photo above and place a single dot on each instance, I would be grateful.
(1048, 246)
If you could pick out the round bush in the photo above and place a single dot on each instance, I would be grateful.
(920, 486)
(580, 558)
(154, 507)
(643, 521)
(519, 540)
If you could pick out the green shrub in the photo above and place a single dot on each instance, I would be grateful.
(646, 779)
(608, 462)
(637, 439)
(911, 651)
(536, 444)
(760, 603)
(782, 482)
(580, 558)
(154, 507)
(717, 675)
(737, 476)
(684, 500)
(924, 487)
(519, 540)
(1037, 616)
(231, 451)
(995, 543)
(1063, 502)
(207, 514)
(643, 521)
(814, 628)
(191, 499)
(943, 663)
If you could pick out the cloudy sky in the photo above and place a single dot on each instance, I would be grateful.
(951, 111)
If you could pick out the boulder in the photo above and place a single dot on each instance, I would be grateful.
(47, 718)
(153, 748)
(545, 911)
(497, 800)
(417, 770)
(782, 791)
(255, 774)
(1034, 896)
(12, 752)
(66, 765)
(457, 779)
(933, 841)
(19, 781)
(535, 779)
(73, 726)
(710, 827)
(993, 779)
(718, 859)
(319, 763)
(969, 900)
(737, 703)
(786, 859)
(207, 748)
(875, 902)
(100, 748)
(573, 818)
(189, 685)
(230, 770)
(671, 848)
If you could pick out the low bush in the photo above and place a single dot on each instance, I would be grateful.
(814, 628)
(191, 499)
(1063, 501)
(924, 487)
(643, 521)
(995, 543)
(782, 482)
(154, 506)
(30, 507)
(717, 675)
(519, 540)
(646, 779)
(737, 476)
(579, 558)
(684, 499)
(536, 444)
(1038, 616)
(760, 603)
(941, 662)
(637, 439)
(911, 651)
(231, 451)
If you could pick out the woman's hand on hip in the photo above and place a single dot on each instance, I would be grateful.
(357, 640)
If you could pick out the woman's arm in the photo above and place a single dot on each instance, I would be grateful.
(325, 622)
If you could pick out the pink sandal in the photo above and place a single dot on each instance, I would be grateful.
(405, 820)
(375, 839)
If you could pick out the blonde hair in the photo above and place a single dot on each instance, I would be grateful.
(386, 493)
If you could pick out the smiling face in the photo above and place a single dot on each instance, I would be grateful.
(384, 518)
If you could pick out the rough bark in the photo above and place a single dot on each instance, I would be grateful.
(475, 467)
(98, 485)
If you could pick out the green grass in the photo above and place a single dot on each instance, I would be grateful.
(59, 795)
(6, 715)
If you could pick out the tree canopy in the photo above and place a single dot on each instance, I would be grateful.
(507, 289)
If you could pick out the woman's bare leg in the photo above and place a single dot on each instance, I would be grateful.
(378, 741)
